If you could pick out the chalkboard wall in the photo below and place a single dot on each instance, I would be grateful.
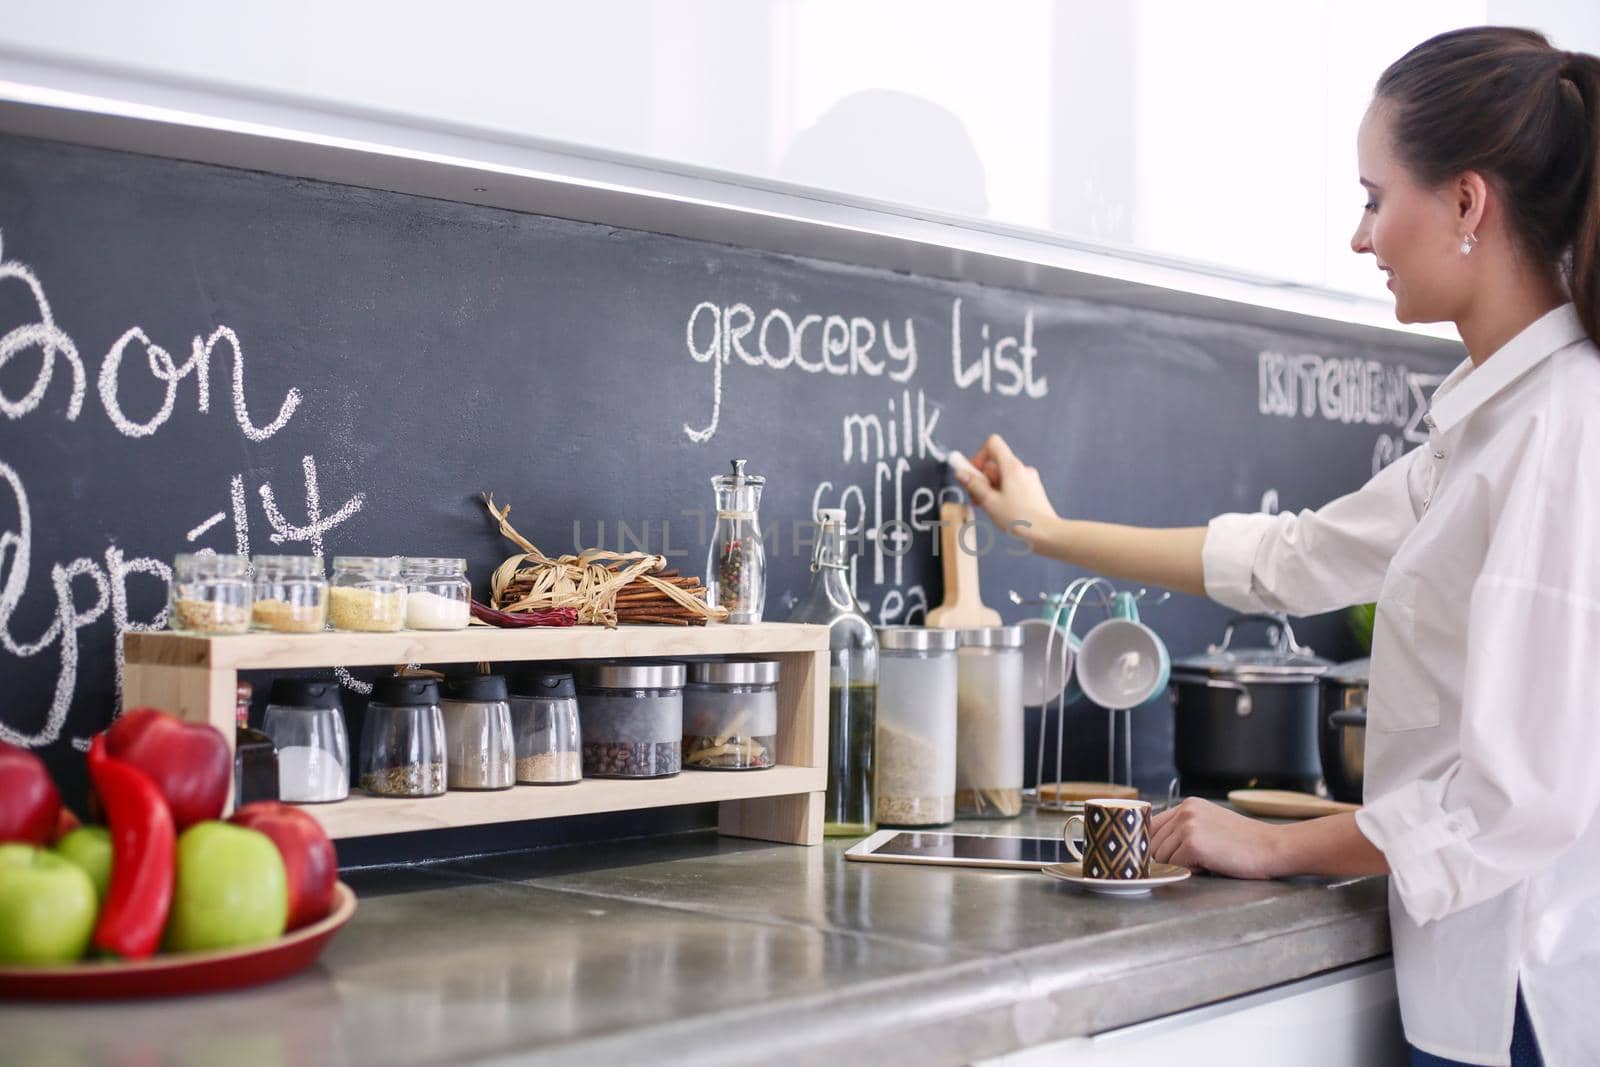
(194, 357)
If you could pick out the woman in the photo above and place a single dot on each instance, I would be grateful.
(1482, 550)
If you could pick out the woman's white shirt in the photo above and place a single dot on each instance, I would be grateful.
(1482, 551)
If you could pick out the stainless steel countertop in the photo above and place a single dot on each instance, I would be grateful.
(716, 950)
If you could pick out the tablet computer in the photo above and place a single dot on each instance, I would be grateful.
(960, 850)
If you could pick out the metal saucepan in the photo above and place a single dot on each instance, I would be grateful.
(1248, 717)
(1343, 734)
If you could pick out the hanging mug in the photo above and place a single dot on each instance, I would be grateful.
(1122, 662)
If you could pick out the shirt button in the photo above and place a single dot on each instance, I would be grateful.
(1438, 454)
(1427, 420)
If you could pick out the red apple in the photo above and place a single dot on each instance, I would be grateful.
(29, 802)
(308, 856)
(188, 761)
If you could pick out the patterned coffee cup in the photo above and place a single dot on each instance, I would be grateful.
(1116, 839)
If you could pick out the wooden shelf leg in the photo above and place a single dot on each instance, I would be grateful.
(792, 820)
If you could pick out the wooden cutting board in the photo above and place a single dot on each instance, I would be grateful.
(963, 604)
(1077, 792)
(1286, 804)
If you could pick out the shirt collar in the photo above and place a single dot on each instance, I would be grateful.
(1469, 388)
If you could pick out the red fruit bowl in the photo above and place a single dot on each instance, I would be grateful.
(182, 972)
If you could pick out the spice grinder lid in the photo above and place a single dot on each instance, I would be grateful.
(406, 692)
(545, 683)
(735, 672)
(631, 675)
(917, 639)
(992, 637)
(304, 693)
(478, 688)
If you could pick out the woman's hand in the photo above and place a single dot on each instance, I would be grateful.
(1204, 836)
(1009, 491)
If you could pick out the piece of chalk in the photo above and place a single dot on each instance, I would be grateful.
(961, 464)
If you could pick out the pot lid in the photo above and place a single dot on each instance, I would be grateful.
(1353, 672)
(1282, 660)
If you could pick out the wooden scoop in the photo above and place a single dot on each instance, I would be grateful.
(963, 605)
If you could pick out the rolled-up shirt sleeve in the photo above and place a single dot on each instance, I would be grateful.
(1307, 562)
(1525, 787)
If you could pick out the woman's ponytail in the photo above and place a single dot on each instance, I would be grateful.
(1582, 70)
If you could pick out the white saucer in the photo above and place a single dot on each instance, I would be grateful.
(1160, 874)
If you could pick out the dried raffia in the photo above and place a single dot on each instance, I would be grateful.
(603, 587)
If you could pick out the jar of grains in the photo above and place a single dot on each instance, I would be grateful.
(209, 594)
(544, 725)
(989, 722)
(632, 719)
(730, 715)
(477, 732)
(402, 739)
(916, 742)
(291, 595)
(367, 594)
(438, 595)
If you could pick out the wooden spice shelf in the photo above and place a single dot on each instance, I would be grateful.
(196, 677)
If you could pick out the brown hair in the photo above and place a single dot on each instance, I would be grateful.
(1525, 115)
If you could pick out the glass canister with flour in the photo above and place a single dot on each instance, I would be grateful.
(916, 744)
(989, 723)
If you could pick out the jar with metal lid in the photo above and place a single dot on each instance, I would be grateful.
(291, 595)
(367, 594)
(916, 743)
(306, 723)
(632, 719)
(209, 594)
(438, 595)
(730, 715)
(544, 728)
(989, 722)
(477, 732)
(402, 739)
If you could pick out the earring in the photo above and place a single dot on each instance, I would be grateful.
(1466, 244)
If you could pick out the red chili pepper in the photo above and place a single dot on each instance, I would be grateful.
(143, 856)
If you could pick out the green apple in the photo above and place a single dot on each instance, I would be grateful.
(90, 848)
(47, 906)
(231, 889)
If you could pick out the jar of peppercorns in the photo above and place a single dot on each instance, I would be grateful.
(736, 566)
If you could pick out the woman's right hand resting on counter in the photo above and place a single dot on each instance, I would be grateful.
(1013, 495)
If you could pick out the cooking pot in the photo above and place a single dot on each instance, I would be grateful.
(1344, 728)
(1248, 717)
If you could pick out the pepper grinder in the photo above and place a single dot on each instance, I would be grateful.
(736, 567)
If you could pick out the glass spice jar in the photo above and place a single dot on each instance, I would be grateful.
(631, 715)
(291, 595)
(402, 739)
(545, 728)
(367, 594)
(736, 565)
(209, 594)
(306, 723)
(438, 594)
(477, 732)
(730, 715)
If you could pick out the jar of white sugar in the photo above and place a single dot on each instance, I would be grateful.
(438, 595)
